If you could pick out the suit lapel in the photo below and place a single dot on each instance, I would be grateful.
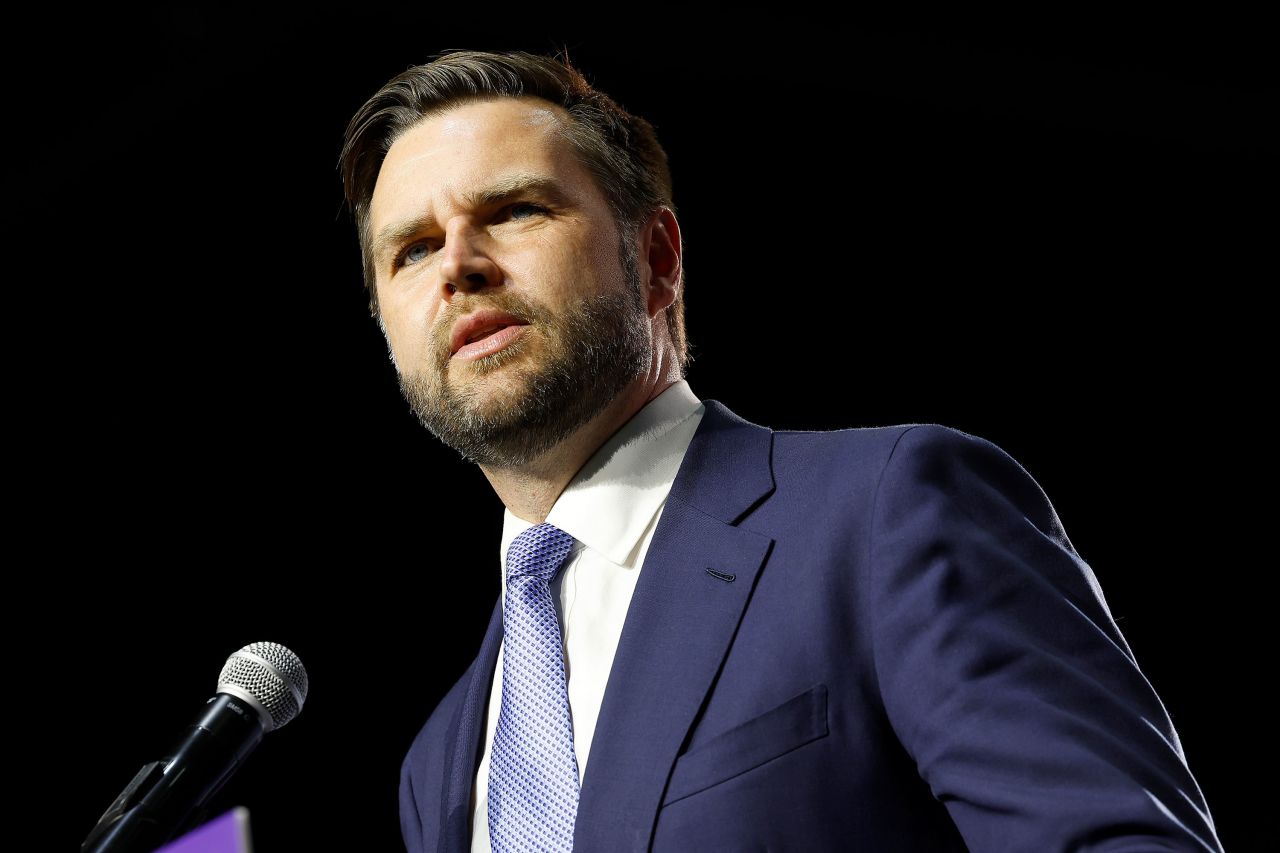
(678, 628)
(462, 756)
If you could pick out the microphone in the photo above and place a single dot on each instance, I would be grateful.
(261, 688)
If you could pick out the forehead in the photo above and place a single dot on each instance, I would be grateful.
(468, 146)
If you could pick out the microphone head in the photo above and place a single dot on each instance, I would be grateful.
(270, 678)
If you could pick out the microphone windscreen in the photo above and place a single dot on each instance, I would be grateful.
(269, 677)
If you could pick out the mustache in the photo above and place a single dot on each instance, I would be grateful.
(520, 307)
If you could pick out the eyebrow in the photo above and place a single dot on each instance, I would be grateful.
(502, 190)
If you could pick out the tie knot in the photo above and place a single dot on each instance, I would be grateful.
(538, 552)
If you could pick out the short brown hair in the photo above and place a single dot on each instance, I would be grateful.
(621, 150)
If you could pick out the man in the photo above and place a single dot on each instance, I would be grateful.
(733, 638)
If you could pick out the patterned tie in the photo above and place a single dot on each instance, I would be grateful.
(533, 771)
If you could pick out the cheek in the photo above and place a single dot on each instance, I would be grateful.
(604, 260)
(408, 314)
(567, 272)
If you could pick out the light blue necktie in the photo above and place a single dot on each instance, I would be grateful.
(533, 771)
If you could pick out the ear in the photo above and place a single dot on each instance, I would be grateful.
(660, 251)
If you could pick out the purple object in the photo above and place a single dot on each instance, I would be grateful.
(226, 834)
(533, 774)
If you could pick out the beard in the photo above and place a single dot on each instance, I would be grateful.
(574, 364)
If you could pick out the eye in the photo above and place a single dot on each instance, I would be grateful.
(524, 205)
(413, 254)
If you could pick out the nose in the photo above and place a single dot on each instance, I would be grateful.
(465, 265)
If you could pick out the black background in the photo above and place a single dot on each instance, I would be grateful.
(1046, 233)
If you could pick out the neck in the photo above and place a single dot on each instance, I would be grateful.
(530, 491)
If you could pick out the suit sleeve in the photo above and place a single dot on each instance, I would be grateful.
(1001, 668)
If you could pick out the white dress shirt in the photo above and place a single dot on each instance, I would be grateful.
(610, 508)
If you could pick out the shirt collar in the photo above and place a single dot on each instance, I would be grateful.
(610, 503)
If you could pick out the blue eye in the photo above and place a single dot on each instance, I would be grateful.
(533, 207)
(418, 252)
(415, 253)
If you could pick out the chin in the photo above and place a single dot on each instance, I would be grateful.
(489, 396)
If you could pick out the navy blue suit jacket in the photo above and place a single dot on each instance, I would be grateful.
(900, 650)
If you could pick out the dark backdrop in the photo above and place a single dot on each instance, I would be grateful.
(1049, 235)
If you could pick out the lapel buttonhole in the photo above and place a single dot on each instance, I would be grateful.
(727, 578)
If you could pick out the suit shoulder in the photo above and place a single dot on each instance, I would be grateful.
(976, 472)
(903, 456)
(937, 451)
(871, 435)
(873, 445)
(918, 441)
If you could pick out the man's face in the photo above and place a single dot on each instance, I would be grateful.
(509, 298)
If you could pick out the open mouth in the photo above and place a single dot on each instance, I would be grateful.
(484, 332)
